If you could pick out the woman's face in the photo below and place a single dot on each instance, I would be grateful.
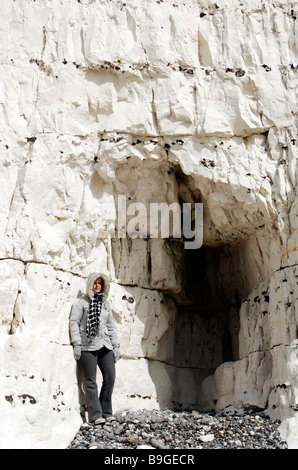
(97, 286)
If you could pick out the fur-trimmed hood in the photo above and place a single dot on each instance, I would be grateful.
(90, 281)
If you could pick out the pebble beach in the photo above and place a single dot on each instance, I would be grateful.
(170, 429)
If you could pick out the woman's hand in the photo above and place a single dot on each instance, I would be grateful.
(116, 353)
(77, 350)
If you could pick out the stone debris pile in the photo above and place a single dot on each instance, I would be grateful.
(168, 429)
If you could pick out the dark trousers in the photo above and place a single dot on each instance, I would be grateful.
(98, 405)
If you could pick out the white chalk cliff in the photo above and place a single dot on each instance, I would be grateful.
(158, 101)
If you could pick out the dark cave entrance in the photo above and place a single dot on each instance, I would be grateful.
(207, 324)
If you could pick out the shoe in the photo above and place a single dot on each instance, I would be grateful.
(110, 418)
(99, 421)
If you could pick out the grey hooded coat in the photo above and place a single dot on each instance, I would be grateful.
(107, 334)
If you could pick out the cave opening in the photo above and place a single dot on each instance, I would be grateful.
(207, 326)
(207, 286)
(208, 306)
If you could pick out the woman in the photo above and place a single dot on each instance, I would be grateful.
(94, 338)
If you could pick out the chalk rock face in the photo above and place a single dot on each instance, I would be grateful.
(110, 110)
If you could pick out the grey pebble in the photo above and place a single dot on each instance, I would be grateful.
(158, 444)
